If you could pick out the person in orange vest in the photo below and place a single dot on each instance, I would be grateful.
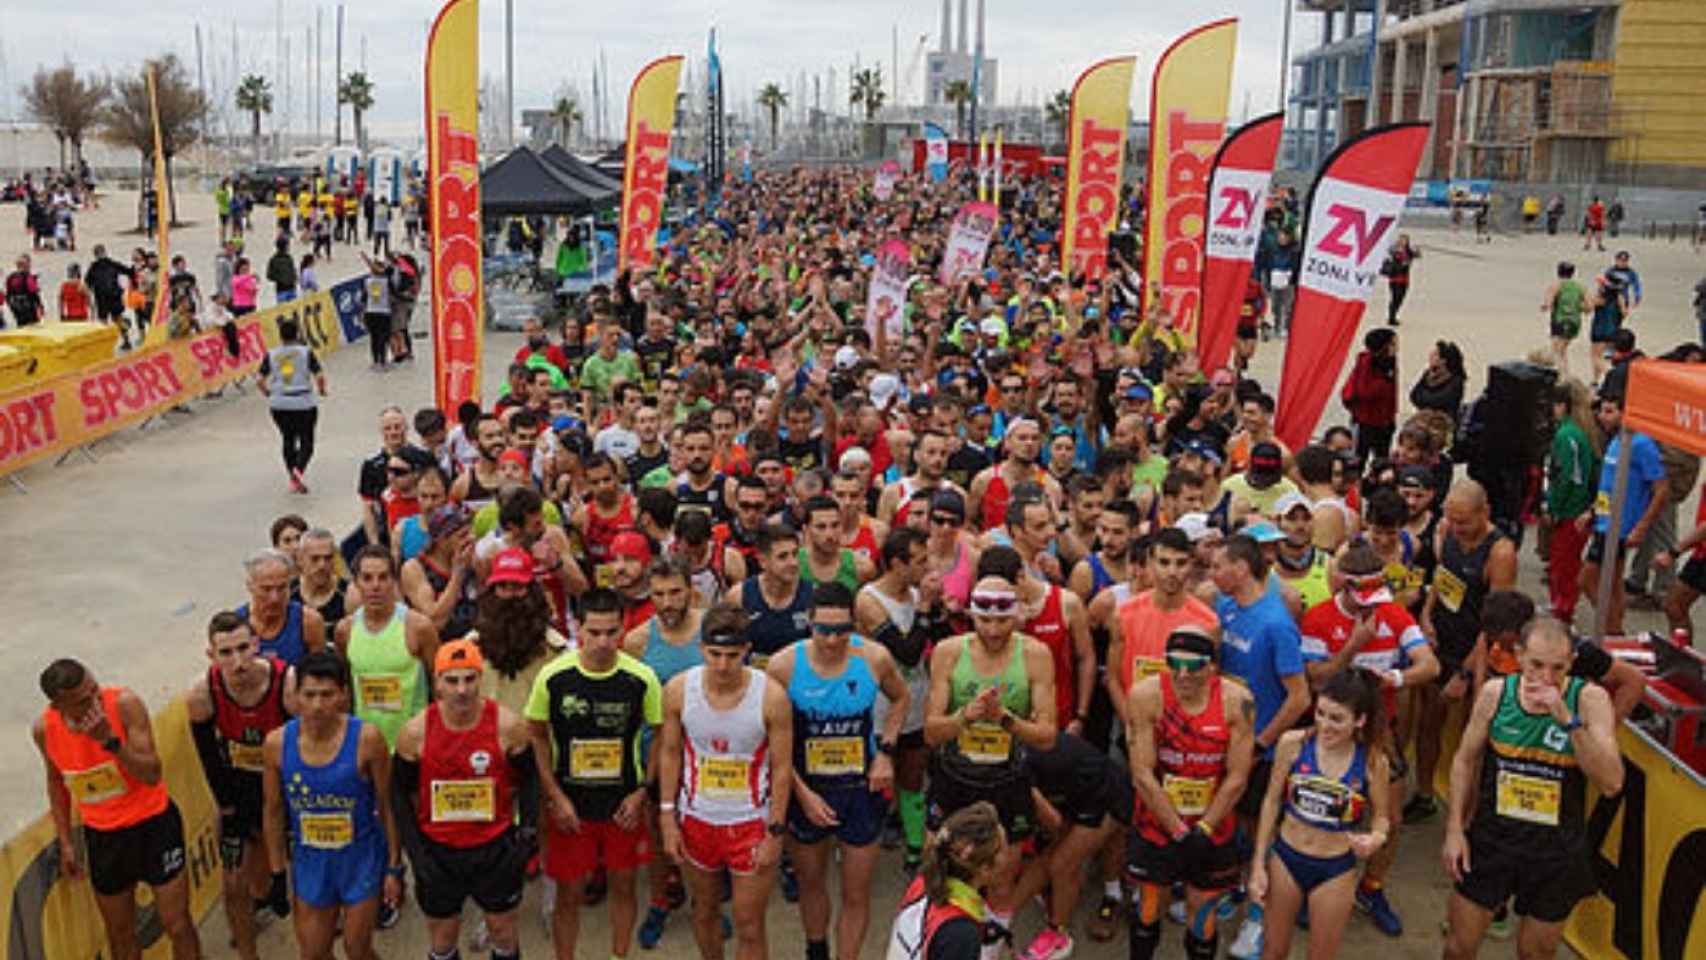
(98, 746)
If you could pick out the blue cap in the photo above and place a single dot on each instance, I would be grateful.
(1263, 532)
(565, 422)
(1202, 449)
(1138, 391)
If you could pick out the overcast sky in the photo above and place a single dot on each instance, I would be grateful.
(1041, 46)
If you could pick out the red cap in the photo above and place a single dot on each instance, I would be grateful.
(514, 455)
(631, 543)
(511, 565)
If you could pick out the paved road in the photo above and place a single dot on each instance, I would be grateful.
(120, 562)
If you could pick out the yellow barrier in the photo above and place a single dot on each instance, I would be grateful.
(63, 347)
(48, 917)
(1649, 845)
(48, 416)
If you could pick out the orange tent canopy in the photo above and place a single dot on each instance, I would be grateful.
(1667, 401)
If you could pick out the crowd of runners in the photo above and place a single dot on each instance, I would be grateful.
(721, 594)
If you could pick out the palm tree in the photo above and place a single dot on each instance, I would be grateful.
(1059, 111)
(565, 113)
(868, 91)
(357, 91)
(254, 97)
(772, 99)
(958, 93)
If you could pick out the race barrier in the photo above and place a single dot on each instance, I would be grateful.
(50, 917)
(48, 417)
(1649, 845)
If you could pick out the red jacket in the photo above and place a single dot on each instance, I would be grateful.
(1371, 397)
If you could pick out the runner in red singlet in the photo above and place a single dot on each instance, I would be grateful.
(600, 519)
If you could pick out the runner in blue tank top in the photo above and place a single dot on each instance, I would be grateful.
(776, 600)
(842, 763)
(330, 774)
(669, 641)
(286, 629)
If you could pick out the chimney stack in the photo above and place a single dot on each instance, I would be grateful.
(964, 16)
(943, 44)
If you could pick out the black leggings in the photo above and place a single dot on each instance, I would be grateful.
(1393, 305)
(297, 429)
(379, 335)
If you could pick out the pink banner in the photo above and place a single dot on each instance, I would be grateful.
(887, 297)
(1353, 215)
(887, 174)
(1237, 192)
(968, 241)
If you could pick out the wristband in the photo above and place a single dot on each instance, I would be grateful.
(1397, 678)
(394, 871)
(1574, 724)
(666, 807)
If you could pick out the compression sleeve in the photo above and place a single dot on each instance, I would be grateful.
(527, 788)
(405, 785)
(213, 763)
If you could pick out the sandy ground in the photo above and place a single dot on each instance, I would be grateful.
(121, 561)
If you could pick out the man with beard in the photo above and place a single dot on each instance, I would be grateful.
(1138, 647)
(479, 485)
(777, 600)
(1084, 502)
(630, 558)
(823, 558)
(929, 465)
(521, 522)
(1055, 616)
(992, 489)
(740, 534)
(698, 488)
(318, 586)
(462, 769)
(1300, 564)
(388, 646)
(600, 519)
(1116, 523)
(440, 581)
(902, 610)
(774, 471)
(514, 633)
(590, 710)
(1069, 413)
(242, 698)
(285, 628)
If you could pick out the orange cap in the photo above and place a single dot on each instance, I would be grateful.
(458, 655)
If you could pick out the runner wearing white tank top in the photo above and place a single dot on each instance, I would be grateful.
(725, 764)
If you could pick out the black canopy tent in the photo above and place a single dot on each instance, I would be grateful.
(578, 169)
(522, 183)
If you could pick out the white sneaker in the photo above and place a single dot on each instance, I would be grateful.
(1248, 944)
(1176, 911)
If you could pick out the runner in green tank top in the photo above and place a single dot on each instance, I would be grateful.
(1532, 745)
(1565, 305)
(823, 548)
(389, 648)
(991, 698)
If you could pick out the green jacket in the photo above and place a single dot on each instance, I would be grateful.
(1572, 473)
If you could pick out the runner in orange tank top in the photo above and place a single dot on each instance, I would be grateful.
(98, 746)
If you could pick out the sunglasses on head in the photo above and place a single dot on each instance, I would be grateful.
(1186, 662)
(993, 604)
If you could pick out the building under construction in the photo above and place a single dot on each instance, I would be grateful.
(1564, 91)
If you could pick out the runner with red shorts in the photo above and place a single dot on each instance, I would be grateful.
(725, 755)
(586, 715)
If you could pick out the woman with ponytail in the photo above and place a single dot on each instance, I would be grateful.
(942, 915)
(1308, 839)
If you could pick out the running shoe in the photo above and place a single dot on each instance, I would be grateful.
(389, 914)
(1375, 904)
(910, 863)
(893, 833)
(1050, 944)
(651, 929)
(790, 883)
(674, 891)
(1501, 927)
(1176, 910)
(297, 484)
(1248, 944)
(1421, 808)
(1105, 922)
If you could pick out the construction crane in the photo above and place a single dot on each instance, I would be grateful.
(913, 65)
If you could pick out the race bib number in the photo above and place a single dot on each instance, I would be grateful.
(604, 574)
(246, 756)
(1449, 588)
(326, 831)
(985, 743)
(1279, 279)
(456, 801)
(382, 691)
(1188, 795)
(1529, 799)
(835, 756)
(96, 784)
(1602, 504)
(725, 777)
(596, 759)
